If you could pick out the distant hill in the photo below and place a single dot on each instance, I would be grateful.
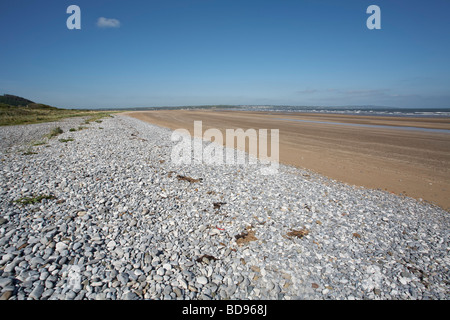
(14, 100)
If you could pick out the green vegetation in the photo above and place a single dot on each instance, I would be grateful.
(29, 152)
(72, 129)
(16, 110)
(55, 132)
(33, 200)
(65, 140)
(37, 143)
(97, 116)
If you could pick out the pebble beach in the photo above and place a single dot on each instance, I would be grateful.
(114, 218)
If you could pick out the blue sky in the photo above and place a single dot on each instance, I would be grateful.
(197, 52)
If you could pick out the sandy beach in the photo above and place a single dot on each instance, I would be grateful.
(414, 163)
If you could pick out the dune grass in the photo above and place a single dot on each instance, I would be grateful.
(54, 132)
(33, 200)
(38, 113)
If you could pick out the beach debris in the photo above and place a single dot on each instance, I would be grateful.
(189, 179)
(217, 205)
(206, 258)
(245, 236)
(307, 207)
(255, 269)
(169, 174)
(356, 235)
(298, 233)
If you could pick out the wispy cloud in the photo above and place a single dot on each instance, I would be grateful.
(369, 92)
(349, 93)
(108, 23)
(307, 91)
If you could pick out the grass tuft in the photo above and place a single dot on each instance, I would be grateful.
(33, 200)
(29, 152)
(37, 143)
(55, 132)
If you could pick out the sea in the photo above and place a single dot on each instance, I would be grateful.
(364, 110)
(352, 110)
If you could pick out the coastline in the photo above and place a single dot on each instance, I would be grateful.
(413, 163)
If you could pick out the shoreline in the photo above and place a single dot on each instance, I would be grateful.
(405, 162)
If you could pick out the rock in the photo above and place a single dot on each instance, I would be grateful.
(160, 271)
(119, 251)
(123, 278)
(5, 282)
(70, 295)
(177, 292)
(158, 278)
(111, 245)
(61, 246)
(6, 295)
(406, 274)
(47, 293)
(130, 296)
(202, 280)
(37, 292)
(100, 296)
(37, 260)
(10, 267)
(81, 213)
(3, 221)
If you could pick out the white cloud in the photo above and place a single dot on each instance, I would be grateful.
(108, 23)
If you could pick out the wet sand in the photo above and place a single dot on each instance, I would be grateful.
(409, 162)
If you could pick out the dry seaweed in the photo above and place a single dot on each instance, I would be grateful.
(298, 233)
(189, 179)
(245, 237)
(217, 205)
